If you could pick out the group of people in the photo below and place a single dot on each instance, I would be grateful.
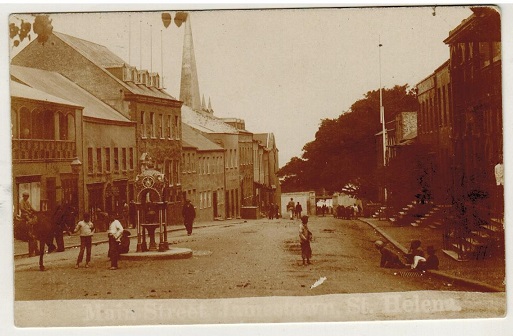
(116, 232)
(348, 212)
(415, 258)
(294, 209)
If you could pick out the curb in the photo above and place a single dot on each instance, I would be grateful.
(104, 241)
(478, 285)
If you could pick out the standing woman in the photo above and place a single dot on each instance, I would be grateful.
(305, 236)
(86, 229)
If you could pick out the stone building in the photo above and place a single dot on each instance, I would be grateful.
(46, 138)
(203, 174)
(135, 93)
(434, 130)
(109, 162)
(477, 133)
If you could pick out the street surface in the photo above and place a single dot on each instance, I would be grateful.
(252, 259)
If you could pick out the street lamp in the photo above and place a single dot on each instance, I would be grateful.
(383, 126)
(75, 166)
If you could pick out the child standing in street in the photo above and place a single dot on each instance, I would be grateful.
(86, 229)
(305, 236)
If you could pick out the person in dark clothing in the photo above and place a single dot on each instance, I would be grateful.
(188, 214)
(388, 258)
(271, 211)
(432, 261)
(299, 209)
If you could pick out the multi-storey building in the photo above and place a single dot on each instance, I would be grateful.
(135, 93)
(476, 82)
(109, 162)
(227, 137)
(203, 174)
(434, 131)
(46, 138)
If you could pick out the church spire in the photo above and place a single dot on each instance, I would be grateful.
(209, 105)
(189, 87)
(203, 106)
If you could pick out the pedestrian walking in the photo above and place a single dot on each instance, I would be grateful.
(86, 229)
(271, 211)
(115, 233)
(299, 209)
(188, 214)
(291, 207)
(305, 237)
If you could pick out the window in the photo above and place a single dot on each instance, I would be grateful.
(107, 159)
(143, 124)
(167, 171)
(34, 190)
(90, 159)
(484, 54)
(177, 172)
(99, 160)
(63, 126)
(131, 159)
(123, 159)
(208, 165)
(177, 129)
(169, 133)
(152, 124)
(161, 127)
(116, 159)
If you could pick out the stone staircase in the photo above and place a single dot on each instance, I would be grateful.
(482, 242)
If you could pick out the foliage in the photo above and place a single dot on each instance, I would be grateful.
(344, 154)
(42, 27)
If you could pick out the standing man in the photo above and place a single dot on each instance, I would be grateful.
(291, 208)
(299, 209)
(115, 233)
(271, 211)
(27, 215)
(188, 214)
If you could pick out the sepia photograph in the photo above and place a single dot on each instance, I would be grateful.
(184, 166)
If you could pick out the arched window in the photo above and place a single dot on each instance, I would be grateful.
(25, 123)
(71, 127)
(63, 126)
(14, 124)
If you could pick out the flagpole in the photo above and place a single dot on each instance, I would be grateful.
(383, 126)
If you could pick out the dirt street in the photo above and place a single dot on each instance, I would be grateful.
(252, 259)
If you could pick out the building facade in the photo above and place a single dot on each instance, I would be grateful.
(434, 131)
(476, 82)
(203, 175)
(46, 137)
(135, 93)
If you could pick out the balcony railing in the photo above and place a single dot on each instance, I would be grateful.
(35, 150)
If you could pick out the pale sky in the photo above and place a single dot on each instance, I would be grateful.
(281, 70)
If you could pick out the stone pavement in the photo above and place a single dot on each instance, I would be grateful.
(21, 248)
(483, 275)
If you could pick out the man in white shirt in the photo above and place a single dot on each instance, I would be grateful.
(115, 233)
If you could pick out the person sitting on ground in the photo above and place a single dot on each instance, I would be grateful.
(432, 261)
(388, 258)
(416, 255)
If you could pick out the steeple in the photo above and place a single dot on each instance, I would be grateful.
(189, 87)
(203, 106)
(210, 106)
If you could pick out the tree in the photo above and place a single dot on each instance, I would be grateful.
(344, 154)
(42, 27)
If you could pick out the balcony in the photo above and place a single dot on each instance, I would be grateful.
(42, 150)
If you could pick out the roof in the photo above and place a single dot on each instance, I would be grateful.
(205, 123)
(97, 53)
(191, 138)
(59, 86)
(23, 91)
(104, 58)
